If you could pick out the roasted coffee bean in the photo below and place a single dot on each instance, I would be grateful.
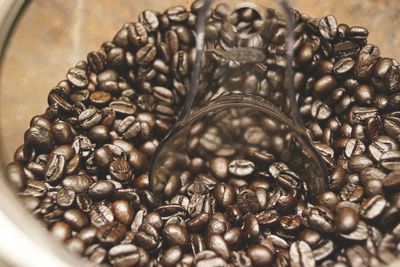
(77, 77)
(149, 20)
(260, 255)
(55, 168)
(120, 171)
(16, 176)
(241, 167)
(76, 219)
(343, 65)
(61, 231)
(175, 234)
(146, 54)
(372, 207)
(101, 215)
(219, 167)
(390, 160)
(177, 13)
(147, 236)
(324, 250)
(123, 108)
(328, 27)
(290, 223)
(319, 218)
(110, 234)
(311, 237)
(301, 255)
(75, 245)
(171, 256)
(39, 138)
(219, 246)
(128, 128)
(101, 189)
(351, 192)
(89, 118)
(392, 180)
(360, 233)
(224, 195)
(124, 255)
(346, 219)
(123, 211)
(65, 197)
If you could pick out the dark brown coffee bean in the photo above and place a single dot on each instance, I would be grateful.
(343, 65)
(65, 197)
(171, 256)
(351, 192)
(392, 180)
(311, 237)
(39, 138)
(101, 189)
(149, 20)
(390, 160)
(346, 219)
(224, 195)
(75, 245)
(123, 211)
(76, 219)
(320, 111)
(79, 183)
(218, 245)
(290, 223)
(319, 218)
(324, 250)
(301, 255)
(251, 227)
(101, 215)
(357, 256)
(146, 54)
(124, 255)
(137, 34)
(372, 207)
(110, 234)
(328, 27)
(16, 176)
(360, 162)
(175, 234)
(233, 237)
(89, 118)
(172, 186)
(121, 171)
(123, 108)
(55, 168)
(219, 167)
(360, 233)
(77, 77)
(128, 128)
(198, 222)
(260, 255)
(324, 85)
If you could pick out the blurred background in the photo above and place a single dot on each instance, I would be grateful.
(51, 36)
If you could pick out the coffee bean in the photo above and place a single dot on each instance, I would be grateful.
(372, 207)
(146, 54)
(241, 167)
(343, 65)
(260, 255)
(218, 245)
(55, 168)
(101, 215)
(175, 234)
(147, 237)
(77, 77)
(76, 219)
(75, 245)
(171, 256)
(324, 250)
(177, 13)
(65, 197)
(346, 220)
(328, 27)
(61, 231)
(319, 218)
(121, 171)
(39, 138)
(16, 176)
(124, 255)
(123, 211)
(219, 167)
(149, 20)
(357, 256)
(224, 195)
(392, 180)
(301, 255)
(123, 108)
(360, 233)
(390, 160)
(110, 234)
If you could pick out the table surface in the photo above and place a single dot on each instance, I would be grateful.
(52, 36)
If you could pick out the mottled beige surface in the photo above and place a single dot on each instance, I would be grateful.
(52, 36)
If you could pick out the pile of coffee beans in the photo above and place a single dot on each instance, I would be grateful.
(83, 168)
